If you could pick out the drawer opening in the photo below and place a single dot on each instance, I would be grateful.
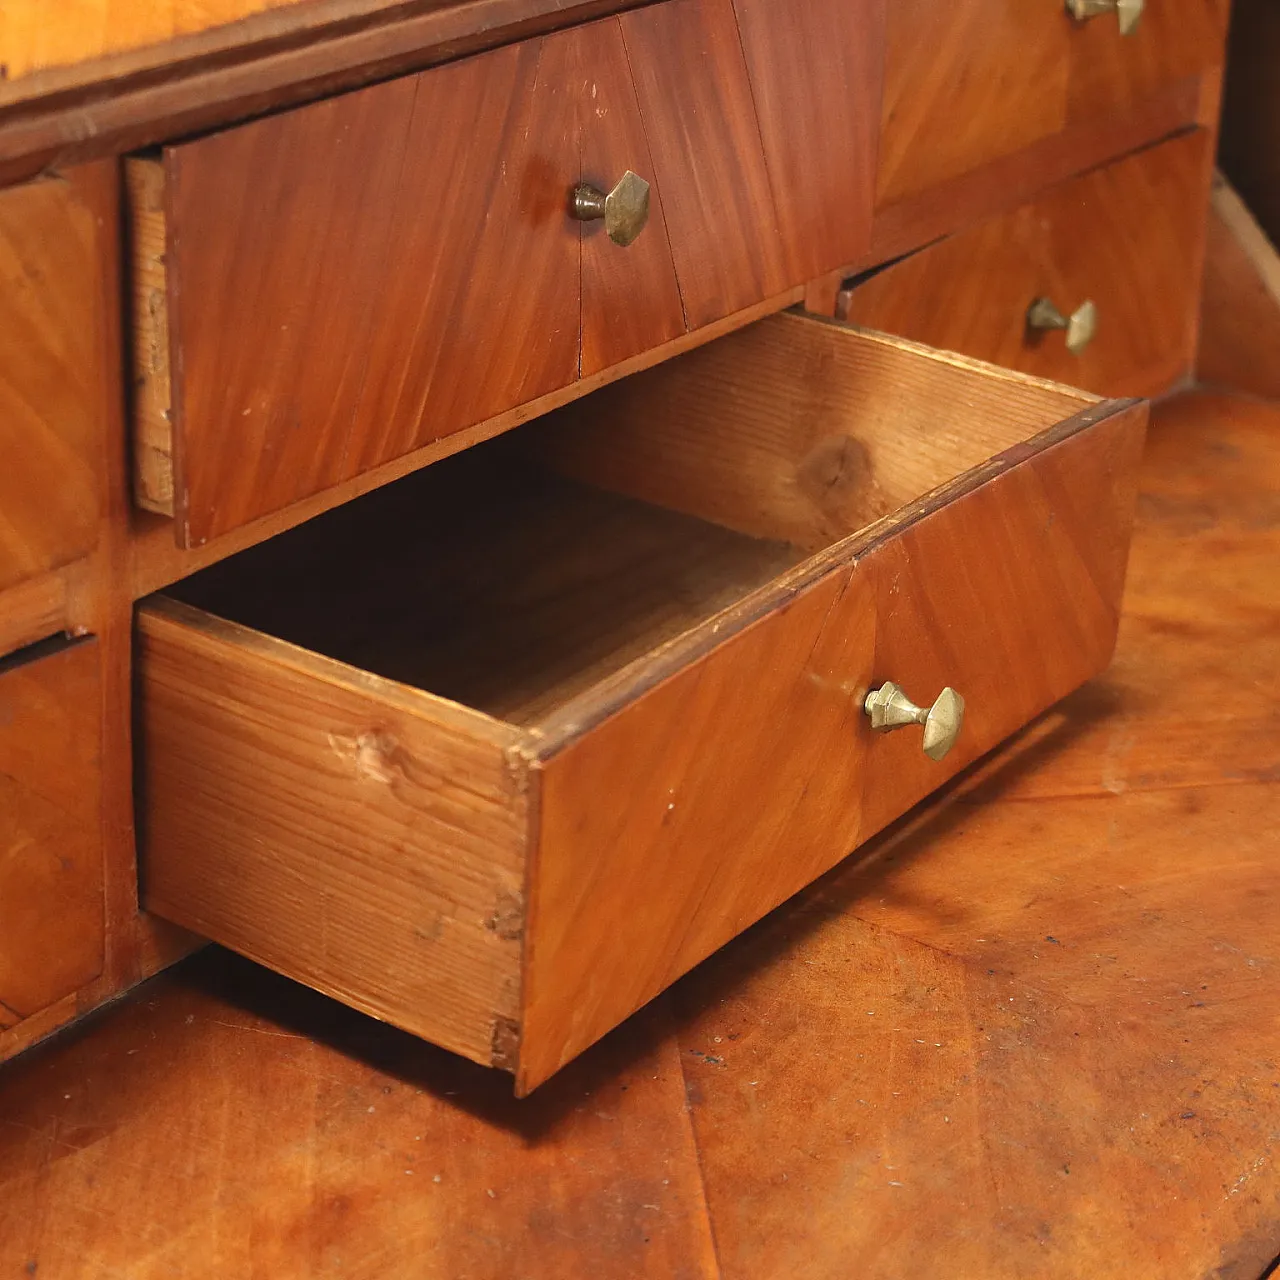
(522, 573)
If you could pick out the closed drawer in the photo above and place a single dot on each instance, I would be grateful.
(51, 850)
(499, 752)
(51, 402)
(329, 289)
(1127, 239)
(968, 82)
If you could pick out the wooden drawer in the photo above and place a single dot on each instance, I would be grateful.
(51, 855)
(51, 414)
(499, 752)
(1129, 238)
(331, 288)
(968, 82)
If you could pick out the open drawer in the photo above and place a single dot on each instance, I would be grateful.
(499, 752)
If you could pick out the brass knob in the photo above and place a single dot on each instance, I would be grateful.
(1081, 325)
(625, 209)
(890, 708)
(1128, 11)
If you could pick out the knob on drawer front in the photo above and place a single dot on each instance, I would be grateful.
(1127, 11)
(889, 708)
(625, 209)
(1081, 325)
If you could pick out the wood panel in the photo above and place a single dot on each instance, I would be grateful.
(34, 38)
(395, 825)
(969, 84)
(696, 103)
(1011, 595)
(51, 437)
(1110, 73)
(317, 365)
(965, 84)
(815, 72)
(717, 765)
(52, 931)
(630, 297)
(1129, 236)
(157, 560)
(797, 429)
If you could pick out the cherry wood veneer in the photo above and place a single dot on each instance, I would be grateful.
(505, 781)
(1129, 237)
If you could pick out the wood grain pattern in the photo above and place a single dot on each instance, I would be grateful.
(152, 401)
(157, 560)
(762, 746)
(965, 84)
(1128, 236)
(501, 585)
(815, 75)
(1102, 869)
(630, 297)
(992, 188)
(315, 391)
(1013, 639)
(968, 84)
(283, 57)
(399, 895)
(1110, 72)
(50, 435)
(696, 102)
(34, 38)
(51, 850)
(796, 429)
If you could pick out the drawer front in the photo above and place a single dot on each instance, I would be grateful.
(348, 282)
(970, 82)
(51, 406)
(51, 854)
(1129, 238)
(620, 715)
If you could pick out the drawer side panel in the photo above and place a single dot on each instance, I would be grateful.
(332, 829)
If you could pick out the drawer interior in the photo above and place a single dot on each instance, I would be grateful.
(518, 575)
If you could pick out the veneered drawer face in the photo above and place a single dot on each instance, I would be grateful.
(1127, 238)
(51, 852)
(972, 81)
(328, 289)
(51, 402)
(500, 752)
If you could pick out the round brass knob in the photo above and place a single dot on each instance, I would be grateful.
(1081, 325)
(1127, 11)
(625, 209)
(889, 708)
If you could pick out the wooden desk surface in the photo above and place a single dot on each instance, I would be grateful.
(1033, 1034)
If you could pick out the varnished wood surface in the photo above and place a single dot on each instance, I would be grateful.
(381, 886)
(157, 560)
(52, 930)
(1128, 236)
(608, 646)
(51, 440)
(294, 369)
(967, 84)
(1027, 1030)
(288, 54)
(91, 596)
